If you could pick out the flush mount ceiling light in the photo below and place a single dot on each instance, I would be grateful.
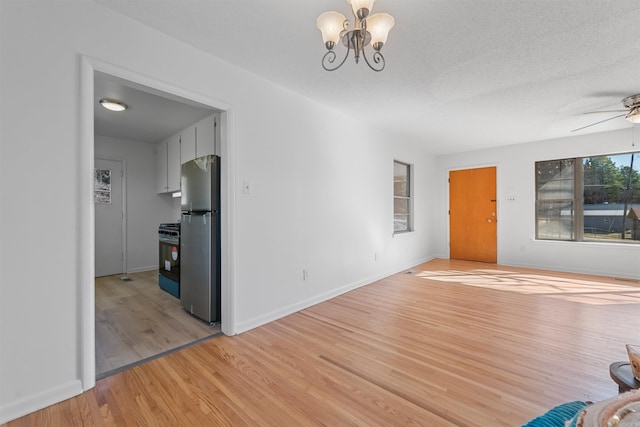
(113, 105)
(367, 30)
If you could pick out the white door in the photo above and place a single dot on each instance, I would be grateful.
(110, 253)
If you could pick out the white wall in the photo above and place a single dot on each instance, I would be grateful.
(326, 207)
(321, 189)
(145, 208)
(516, 219)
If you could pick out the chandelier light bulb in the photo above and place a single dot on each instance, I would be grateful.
(379, 25)
(330, 25)
(361, 8)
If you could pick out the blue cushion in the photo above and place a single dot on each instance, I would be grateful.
(557, 416)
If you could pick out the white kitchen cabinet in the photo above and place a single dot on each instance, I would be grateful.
(188, 144)
(161, 167)
(205, 137)
(168, 165)
(173, 163)
(199, 140)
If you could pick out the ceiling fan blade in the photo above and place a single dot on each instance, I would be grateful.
(597, 123)
(612, 94)
(605, 111)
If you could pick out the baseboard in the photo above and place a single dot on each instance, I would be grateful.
(581, 270)
(42, 399)
(142, 269)
(301, 305)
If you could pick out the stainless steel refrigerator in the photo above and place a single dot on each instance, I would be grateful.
(200, 238)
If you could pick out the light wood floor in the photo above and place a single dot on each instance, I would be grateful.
(136, 320)
(453, 344)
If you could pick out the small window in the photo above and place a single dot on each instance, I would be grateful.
(402, 198)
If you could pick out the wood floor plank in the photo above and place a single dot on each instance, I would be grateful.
(453, 344)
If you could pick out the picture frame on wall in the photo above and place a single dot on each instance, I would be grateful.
(102, 186)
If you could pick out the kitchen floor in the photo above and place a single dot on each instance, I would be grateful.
(136, 320)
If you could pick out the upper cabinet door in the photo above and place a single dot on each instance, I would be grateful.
(205, 137)
(161, 167)
(188, 144)
(173, 163)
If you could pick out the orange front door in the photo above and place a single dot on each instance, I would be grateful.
(472, 215)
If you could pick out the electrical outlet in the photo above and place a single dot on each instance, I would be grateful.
(305, 274)
(375, 256)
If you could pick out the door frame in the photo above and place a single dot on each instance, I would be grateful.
(123, 223)
(86, 215)
(498, 204)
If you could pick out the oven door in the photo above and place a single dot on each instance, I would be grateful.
(169, 258)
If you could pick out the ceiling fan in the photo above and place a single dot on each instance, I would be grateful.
(632, 112)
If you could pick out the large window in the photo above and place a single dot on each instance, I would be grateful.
(402, 204)
(592, 198)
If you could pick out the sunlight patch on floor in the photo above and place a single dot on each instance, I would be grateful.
(576, 290)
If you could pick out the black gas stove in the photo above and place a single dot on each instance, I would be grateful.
(169, 258)
(169, 232)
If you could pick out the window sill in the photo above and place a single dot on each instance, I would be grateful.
(587, 243)
(402, 233)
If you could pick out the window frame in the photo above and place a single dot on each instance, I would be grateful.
(574, 201)
(578, 208)
(409, 197)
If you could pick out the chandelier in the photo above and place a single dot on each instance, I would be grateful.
(367, 30)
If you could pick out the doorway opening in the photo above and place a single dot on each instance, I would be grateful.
(137, 277)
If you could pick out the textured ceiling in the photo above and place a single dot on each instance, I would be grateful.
(460, 74)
